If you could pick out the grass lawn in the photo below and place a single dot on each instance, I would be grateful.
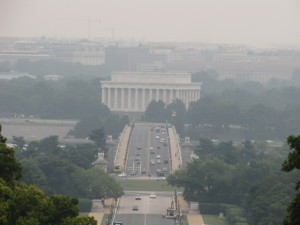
(214, 220)
(83, 213)
(144, 185)
(104, 219)
(184, 221)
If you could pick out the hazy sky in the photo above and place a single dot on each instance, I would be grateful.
(255, 22)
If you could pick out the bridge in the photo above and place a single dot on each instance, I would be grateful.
(148, 149)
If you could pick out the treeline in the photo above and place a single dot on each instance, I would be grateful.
(245, 176)
(66, 169)
(66, 99)
(22, 203)
(234, 112)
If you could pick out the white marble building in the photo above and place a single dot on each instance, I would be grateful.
(133, 91)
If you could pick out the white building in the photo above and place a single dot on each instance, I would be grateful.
(133, 91)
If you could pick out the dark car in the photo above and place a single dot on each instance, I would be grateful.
(135, 208)
(138, 197)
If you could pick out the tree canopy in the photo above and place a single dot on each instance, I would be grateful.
(291, 163)
(21, 204)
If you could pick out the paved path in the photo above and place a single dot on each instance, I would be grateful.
(122, 148)
(174, 149)
(193, 216)
(98, 210)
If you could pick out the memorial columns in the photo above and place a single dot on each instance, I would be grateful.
(136, 99)
(122, 98)
(151, 97)
(103, 95)
(164, 96)
(109, 97)
(143, 99)
(129, 98)
(116, 98)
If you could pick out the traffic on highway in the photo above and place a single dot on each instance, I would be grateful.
(148, 152)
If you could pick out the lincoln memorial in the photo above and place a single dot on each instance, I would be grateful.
(133, 91)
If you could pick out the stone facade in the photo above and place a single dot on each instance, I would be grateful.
(133, 91)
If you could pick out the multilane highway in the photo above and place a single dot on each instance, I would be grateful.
(148, 151)
(148, 155)
(150, 210)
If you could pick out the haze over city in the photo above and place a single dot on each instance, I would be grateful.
(255, 22)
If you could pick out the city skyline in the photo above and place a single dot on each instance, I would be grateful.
(248, 22)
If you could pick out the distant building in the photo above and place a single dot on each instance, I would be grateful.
(133, 91)
(12, 56)
(129, 58)
(53, 77)
(86, 53)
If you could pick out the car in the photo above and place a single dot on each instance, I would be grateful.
(166, 161)
(135, 208)
(157, 136)
(152, 161)
(118, 223)
(158, 146)
(165, 169)
(137, 154)
(143, 170)
(158, 161)
(139, 148)
(152, 195)
(138, 197)
(122, 175)
(158, 156)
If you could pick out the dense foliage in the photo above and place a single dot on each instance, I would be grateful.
(235, 111)
(65, 169)
(293, 162)
(246, 175)
(21, 204)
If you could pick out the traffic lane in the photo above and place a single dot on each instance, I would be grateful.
(129, 219)
(146, 205)
(137, 149)
(140, 138)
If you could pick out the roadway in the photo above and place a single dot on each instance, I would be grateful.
(150, 210)
(148, 151)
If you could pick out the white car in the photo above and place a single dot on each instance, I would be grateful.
(152, 195)
(122, 175)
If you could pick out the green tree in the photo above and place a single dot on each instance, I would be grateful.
(10, 169)
(293, 162)
(155, 112)
(21, 204)
(205, 181)
(205, 147)
(176, 112)
(99, 138)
